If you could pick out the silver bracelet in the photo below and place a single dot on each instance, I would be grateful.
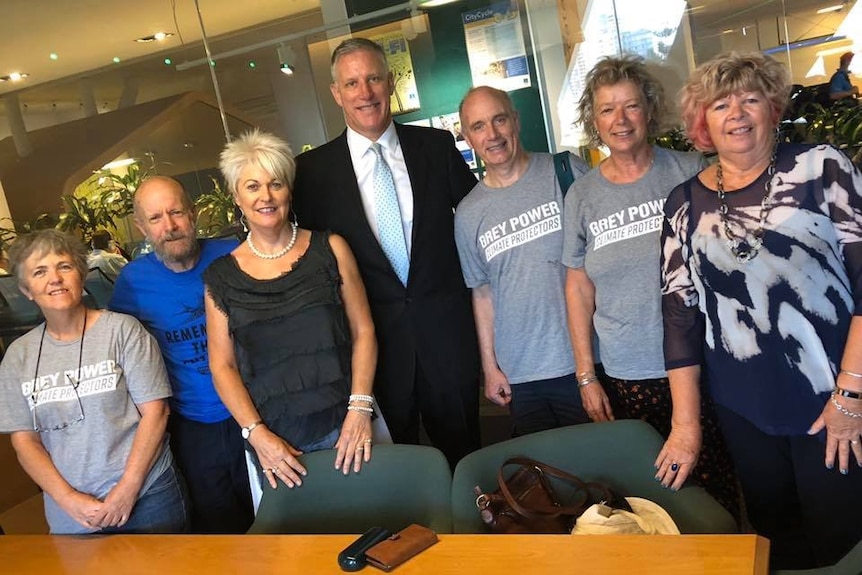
(843, 409)
(361, 409)
(588, 379)
(361, 397)
(852, 374)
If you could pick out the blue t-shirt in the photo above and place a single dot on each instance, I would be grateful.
(171, 306)
(840, 82)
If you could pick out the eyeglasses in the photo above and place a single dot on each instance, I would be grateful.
(66, 412)
(53, 408)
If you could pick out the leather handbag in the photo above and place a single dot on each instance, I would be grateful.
(525, 501)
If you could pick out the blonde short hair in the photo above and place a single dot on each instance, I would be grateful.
(268, 151)
(726, 74)
(610, 71)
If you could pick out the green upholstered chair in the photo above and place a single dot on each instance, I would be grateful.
(618, 453)
(851, 564)
(402, 484)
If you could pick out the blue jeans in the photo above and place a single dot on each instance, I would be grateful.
(546, 404)
(162, 509)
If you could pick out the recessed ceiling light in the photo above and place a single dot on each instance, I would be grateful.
(13, 77)
(53, 55)
(158, 36)
(116, 59)
(168, 61)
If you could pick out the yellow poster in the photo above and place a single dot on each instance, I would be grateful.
(406, 96)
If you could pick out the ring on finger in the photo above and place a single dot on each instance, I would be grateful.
(360, 448)
(368, 440)
(854, 441)
(674, 466)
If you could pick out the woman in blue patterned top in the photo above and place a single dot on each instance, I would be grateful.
(761, 281)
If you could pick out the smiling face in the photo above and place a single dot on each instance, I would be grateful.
(52, 281)
(621, 119)
(491, 128)
(741, 124)
(264, 199)
(362, 86)
(167, 221)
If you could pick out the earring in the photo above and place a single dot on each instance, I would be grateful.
(295, 221)
(243, 221)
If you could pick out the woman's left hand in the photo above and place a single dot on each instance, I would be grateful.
(354, 443)
(117, 507)
(679, 455)
(842, 433)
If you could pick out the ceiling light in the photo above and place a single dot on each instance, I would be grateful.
(432, 3)
(116, 60)
(119, 163)
(53, 55)
(251, 64)
(13, 77)
(158, 36)
(286, 57)
(168, 61)
(834, 8)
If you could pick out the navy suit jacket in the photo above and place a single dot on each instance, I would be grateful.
(429, 320)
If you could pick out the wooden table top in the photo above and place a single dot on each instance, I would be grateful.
(453, 554)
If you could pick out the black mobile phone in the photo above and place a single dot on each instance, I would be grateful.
(352, 558)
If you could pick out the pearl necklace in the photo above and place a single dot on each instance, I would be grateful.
(277, 254)
(742, 249)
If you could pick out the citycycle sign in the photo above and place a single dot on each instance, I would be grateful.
(477, 15)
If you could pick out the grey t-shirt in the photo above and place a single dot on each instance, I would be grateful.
(511, 238)
(120, 367)
(612, 231)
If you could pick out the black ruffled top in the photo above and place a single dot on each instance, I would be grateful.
(291, 340)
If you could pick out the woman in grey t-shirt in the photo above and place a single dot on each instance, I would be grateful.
(613, 220)
(83, 396)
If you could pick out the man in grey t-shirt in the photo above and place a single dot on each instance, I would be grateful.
(509, 236)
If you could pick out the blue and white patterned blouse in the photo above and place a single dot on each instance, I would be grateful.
(770, 332)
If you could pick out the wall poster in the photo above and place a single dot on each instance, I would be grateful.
(495, 46)
(405, 98)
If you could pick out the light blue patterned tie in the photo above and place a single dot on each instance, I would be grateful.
(389, 226)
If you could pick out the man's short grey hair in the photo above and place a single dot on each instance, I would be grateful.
(259, 148)
(355, 45)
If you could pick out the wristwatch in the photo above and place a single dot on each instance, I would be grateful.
(246, 431)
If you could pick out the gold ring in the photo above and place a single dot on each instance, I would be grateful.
(367, 440)
(360, 448)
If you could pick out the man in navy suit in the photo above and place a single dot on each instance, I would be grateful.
(428, 354)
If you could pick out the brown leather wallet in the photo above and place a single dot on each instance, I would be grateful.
(398, 548)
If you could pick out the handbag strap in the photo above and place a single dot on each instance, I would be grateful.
(544, 469)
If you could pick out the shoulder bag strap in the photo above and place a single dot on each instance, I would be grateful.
(563, 168)
(547, 470)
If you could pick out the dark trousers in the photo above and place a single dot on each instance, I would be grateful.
(811, 515)
(450, 416)
(546, 404)
(211, 458)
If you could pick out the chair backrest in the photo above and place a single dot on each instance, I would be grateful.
(850, 564)
(99, 288)
(17, 313)
(402, 484)
(620, 454)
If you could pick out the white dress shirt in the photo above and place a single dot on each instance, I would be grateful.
(363, 159)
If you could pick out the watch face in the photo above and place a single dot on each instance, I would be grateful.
(245, 432)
